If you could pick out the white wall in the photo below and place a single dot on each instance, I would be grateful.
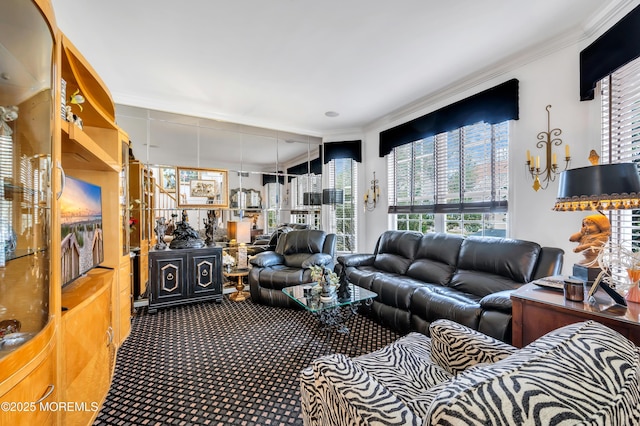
(552, 79)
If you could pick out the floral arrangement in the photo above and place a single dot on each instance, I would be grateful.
(228, 260)
(324, 276)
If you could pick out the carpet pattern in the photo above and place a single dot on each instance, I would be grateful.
(223, 364)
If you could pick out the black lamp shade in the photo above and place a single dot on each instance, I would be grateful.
(311, 198)
(332, 196)
(601, 187)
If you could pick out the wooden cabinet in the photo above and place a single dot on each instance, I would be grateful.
(29, 396)
(184, 276)
(537, 311)
(71, 332)
(88, 354)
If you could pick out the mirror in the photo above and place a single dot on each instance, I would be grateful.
(256, 160)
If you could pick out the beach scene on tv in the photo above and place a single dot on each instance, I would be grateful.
(81, 228)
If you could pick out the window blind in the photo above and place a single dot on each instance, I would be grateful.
(460, 171)
(620, 93)
(343, 174)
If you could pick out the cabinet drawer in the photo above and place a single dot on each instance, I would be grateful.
(29, 399)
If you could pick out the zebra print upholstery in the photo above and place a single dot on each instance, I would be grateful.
(582, 374)
(455, 347)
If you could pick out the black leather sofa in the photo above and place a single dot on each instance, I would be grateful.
(420, 278)
(289, 264)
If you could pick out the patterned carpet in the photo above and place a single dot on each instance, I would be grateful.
(223, 364)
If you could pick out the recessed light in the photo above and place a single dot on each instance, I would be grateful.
(331, 114)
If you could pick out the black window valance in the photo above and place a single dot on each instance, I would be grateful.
(495, 105)
(314, 167)
(613, 49)
(346, 149)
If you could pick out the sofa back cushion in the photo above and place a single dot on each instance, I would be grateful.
(436, 258)
(583, 373)
(488, 265)
(297, 245)
(396, 250)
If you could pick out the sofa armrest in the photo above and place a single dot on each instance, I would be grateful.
(499, 301)
(267, 258)
(340, 392)
(357, 260)
(456, 347)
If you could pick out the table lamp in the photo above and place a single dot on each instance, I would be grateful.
(598, 188)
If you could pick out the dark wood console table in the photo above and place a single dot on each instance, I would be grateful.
(184, 276)
(537, 311)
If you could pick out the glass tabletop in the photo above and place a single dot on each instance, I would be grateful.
(304, 296)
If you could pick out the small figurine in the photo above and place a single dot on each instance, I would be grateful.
(160, 229)
(184, 236)
(593, 234)
(344, 293)
(7, 114)
(77, 99)
(209, 227)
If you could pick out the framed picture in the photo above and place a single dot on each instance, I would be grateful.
(202, 188)
(168, 179)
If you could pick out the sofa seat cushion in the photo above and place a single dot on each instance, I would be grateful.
(280, 276)
(395, 290)
(433, 302)
(406, 370)
(457, 348)
(581, 374)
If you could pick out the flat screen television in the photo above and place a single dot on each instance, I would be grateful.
(81, 222)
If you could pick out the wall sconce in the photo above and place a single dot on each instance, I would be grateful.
(372, 195)
(550, 170)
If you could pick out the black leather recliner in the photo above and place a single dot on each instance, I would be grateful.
(269, 242)
(289, 265)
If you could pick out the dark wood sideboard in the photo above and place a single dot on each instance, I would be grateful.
(537, 311)
(184, 276)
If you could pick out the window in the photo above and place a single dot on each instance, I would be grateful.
(620, 102)
(455, 182)
(272, 202)
(343, 217)
(300, 213)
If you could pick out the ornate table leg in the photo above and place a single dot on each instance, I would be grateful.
(240, 295)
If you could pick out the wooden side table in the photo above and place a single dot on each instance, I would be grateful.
(240, 295)
(537, 311)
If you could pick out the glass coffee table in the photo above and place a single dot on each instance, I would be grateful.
(332, 315)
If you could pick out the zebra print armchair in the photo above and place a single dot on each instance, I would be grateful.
(584, 374)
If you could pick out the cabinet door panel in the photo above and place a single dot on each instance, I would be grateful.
(205, 270)
(88, 354)
(169, 279)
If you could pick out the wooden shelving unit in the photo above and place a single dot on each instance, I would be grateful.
(71, 355)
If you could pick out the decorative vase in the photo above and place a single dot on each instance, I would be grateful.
(633, 295)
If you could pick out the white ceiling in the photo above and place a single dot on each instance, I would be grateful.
(281, 64)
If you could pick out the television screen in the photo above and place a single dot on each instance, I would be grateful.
(81, 222)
